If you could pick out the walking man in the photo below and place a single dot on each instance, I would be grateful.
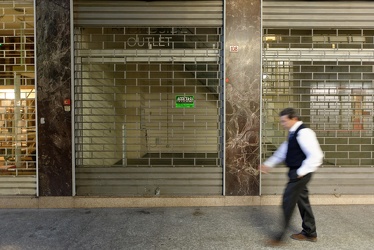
(302, 155)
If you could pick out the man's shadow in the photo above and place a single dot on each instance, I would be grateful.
(268, 220)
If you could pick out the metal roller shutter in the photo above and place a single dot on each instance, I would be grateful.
(318, 14)
(133, 65)
(18, 173)
(318, 58)
(148, 13)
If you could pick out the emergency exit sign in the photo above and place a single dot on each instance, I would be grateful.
(184, 101)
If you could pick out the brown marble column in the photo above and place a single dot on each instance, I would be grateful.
(243, 82)
(53, 73)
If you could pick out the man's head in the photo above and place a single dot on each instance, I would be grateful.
(288, 117)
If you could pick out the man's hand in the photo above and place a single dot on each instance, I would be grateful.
(263, 168)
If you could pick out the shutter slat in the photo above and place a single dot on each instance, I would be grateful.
(329, 14)
(159, 13)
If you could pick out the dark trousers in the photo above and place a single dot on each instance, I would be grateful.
(296, 192)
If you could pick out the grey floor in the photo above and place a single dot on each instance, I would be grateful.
(339, 227)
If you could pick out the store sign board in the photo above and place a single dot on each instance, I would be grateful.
(184, 101)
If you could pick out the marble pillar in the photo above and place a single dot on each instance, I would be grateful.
(243, 92)
(53, 71)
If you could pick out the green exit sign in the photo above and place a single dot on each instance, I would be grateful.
(184, 101)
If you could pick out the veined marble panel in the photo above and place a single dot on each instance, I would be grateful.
(53, 61)
(243, 92)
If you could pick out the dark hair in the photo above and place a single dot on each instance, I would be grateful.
(290, 112)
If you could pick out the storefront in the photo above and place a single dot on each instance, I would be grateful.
(181, 98)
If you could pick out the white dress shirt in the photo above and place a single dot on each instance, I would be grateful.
(308, 143)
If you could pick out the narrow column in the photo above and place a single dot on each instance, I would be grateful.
(53, 71)
(243, 81)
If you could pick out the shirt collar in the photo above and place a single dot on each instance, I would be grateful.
(295, 126)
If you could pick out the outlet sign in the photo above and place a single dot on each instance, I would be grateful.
(149, 42)
(184, 101)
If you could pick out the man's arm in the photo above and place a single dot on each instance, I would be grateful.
(278, 157)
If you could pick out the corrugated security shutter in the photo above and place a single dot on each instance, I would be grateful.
(148, 97)
(318, 14)
(17, 99)
(148, 13)
(318, 57)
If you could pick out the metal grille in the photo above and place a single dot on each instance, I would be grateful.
(17, 98)
(324, 76)
(149, 97)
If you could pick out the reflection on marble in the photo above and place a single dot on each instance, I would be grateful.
(53, 67)
(243, 80)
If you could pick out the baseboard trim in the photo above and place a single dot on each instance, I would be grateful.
(133, 202)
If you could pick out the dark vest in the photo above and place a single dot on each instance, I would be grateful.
(295, 156)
